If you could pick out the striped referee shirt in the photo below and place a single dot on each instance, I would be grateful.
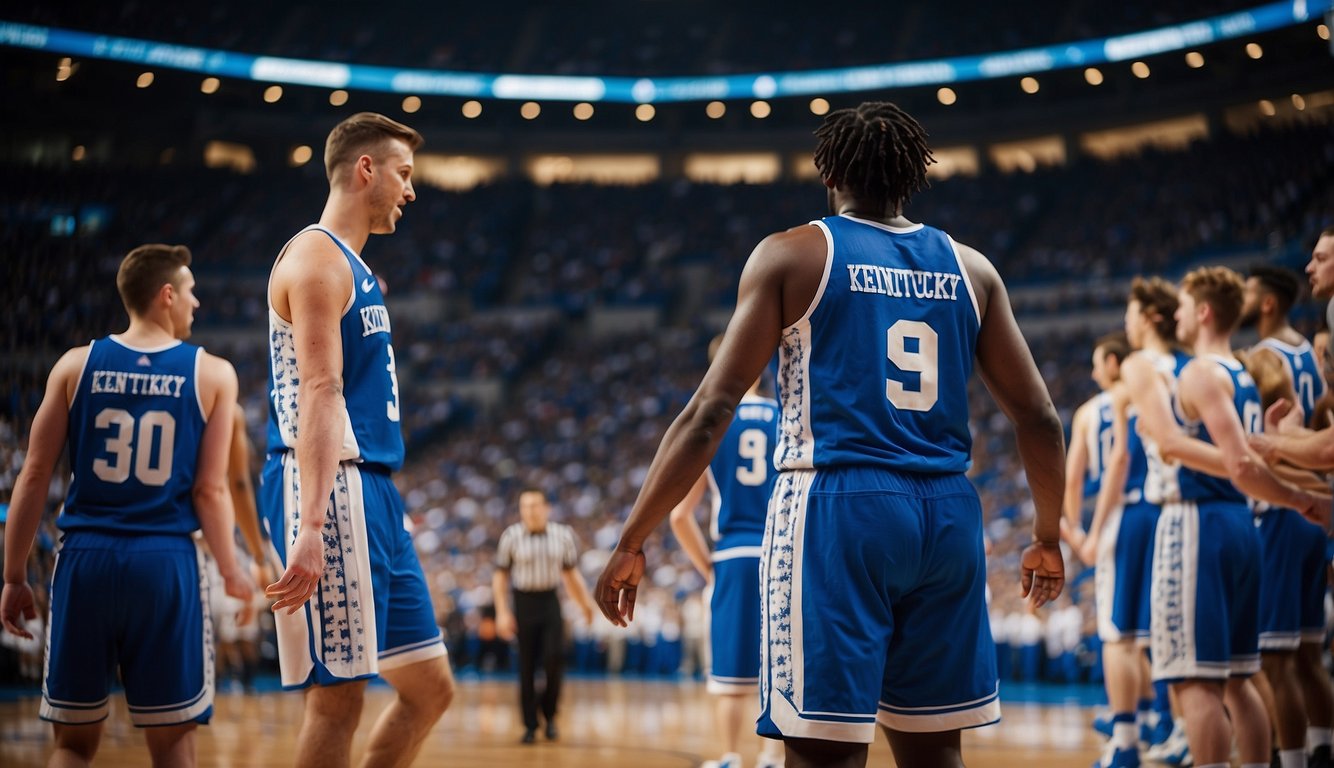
(535, 560)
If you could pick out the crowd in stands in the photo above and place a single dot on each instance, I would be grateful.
(579, 412)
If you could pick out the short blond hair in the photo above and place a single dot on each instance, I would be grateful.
(1222, 289)
(364, 133)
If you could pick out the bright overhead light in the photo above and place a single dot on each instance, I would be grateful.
(947, 96)
(1029, 84)
(1140, 69)
(1254, 50)
(145, 80)
(715, 109)
(530, 110)
(645, 112)
(1195, 60)
(301, 155)
(583, 111)
(210, 85)
(1267, 108)
(472, 109)
(412, 104)
(1093, 76)
(1298, 102)
(760, 109)
(819, 106)
(273, 93)
(338, 98)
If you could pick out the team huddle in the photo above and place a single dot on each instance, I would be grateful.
(1202, 534)
(847, 538)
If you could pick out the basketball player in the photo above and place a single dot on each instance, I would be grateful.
(1120, 540)
(1206, 553)
(1292, 602)
(873, 546)
(332, 510)
(739, 478)
(1313, 449)
(148, 422)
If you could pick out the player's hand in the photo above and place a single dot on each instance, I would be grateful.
(305, 567)
(1282, 417)
(506, 627)
(16, 607)
(239, 585)
(1263, 446)
(616, 587)
(1318, 512)
(1088, 550)
(588, 613)
(1042, 573)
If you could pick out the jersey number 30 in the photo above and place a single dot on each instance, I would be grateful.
(912, 345)
(134, 445)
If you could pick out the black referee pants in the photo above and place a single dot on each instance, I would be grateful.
(541, 639)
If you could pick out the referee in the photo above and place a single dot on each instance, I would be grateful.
(533, 556)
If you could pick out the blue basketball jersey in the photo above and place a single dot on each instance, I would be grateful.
(876, 372)
(1199, 486)
(1099, 443)
(741, 474)
(1303, 371)
(371, 431)
(1137, 470)
(1161, 478)
(134, 431)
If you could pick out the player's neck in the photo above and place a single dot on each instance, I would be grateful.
(1208, 343)
(1154, 343)
(1278, 328)
(148, 333)
(346, 217)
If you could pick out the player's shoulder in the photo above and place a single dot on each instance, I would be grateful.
(215, 369)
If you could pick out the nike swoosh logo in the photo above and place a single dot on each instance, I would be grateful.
(367, 285)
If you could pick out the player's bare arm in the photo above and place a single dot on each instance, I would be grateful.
(243, 488)
(310, 289)
(211, 493)
(777, 287)
(46, 440)
(1006, 366)
(1114, 473)
(686, 527)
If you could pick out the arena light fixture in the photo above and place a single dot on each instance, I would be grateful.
(1322, 31)
(78, 153)
(273, 93)
(819, 106)
(1190, 35)
(338, 98)
(1254, 50)
(645, 112)
(715, 109)
(1298, 102)
(1194, 59)
(210, 85)
(530, 110)
(472, 109)
(946, 96)
(64, 69)
(1029, 85)
(583, 111)
(1267, 108)
(1140, 70)
(301, 155)
(145, 80)
(411, 104)
(1093, 76)
(760, 109)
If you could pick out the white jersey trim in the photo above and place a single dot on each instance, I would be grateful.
(967, 281)
(824, 279)
(116, 337)
(79, 381)
(199, 396)
(886, 227)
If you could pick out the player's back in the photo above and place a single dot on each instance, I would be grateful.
(370, 381)
(876, 371)
(741, 474)
(1303, 370)
(1199, 486)
(1099, 442)
(134, 430)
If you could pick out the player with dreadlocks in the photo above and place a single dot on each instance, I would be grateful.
(873, 546)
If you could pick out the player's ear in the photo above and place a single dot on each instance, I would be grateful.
(364, 167)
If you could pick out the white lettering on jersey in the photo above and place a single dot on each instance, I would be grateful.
(903, 283)
(143, 384)
(374, 319)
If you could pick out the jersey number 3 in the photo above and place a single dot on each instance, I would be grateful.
(912, 345)
(135, 445)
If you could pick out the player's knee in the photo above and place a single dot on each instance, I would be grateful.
(81, 740)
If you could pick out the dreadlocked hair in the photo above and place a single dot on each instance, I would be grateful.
(877, 152)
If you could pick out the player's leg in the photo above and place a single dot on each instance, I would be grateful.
(1207, 726)
(734, 651)
(172, 746)
(1319, 700)
(75, 745)
(328, 723)
(1250, 721)
(425, 690)
(928, 750)
(412, 655)
(818, 753)
(1289, 710)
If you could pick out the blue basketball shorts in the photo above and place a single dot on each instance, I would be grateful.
(734, 621)
(1206, 592)
(873, 586)
(1124, 572)
(1292, 580)
(372, 610)
(134, 602)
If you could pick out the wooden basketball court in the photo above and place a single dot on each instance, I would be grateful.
(603, 724)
